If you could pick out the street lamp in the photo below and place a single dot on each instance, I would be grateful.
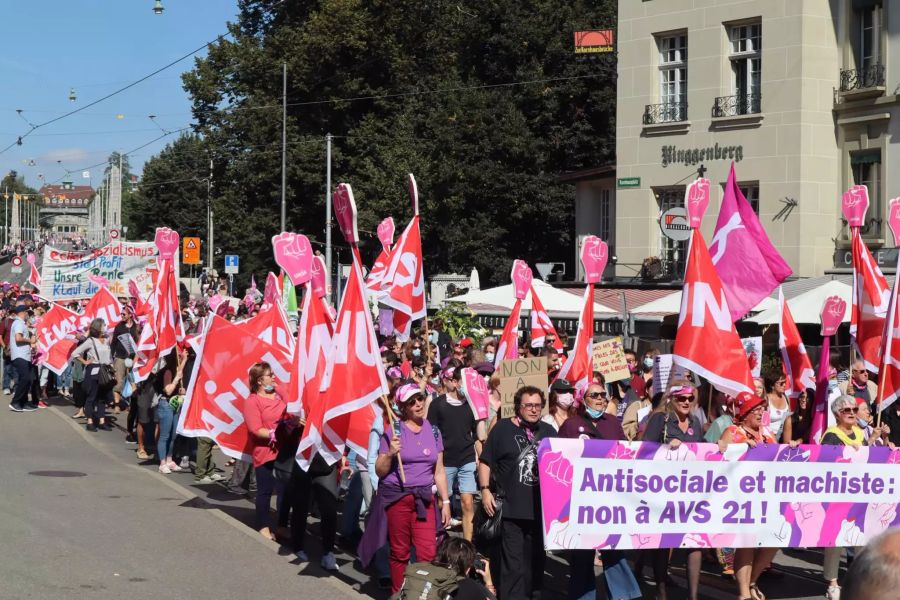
(72, 96)
(158, 7)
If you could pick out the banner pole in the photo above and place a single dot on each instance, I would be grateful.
(391, 420)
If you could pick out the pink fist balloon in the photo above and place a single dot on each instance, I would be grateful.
(855, 203)
(345, 212)
(293, 253)
(414, 193)
(894, 218)
(594, 255)
(696, 199)
(476, 388)
(167, 242)
(319, 277)
(833, 315)
(30, 258)
(521, 278)
(386, 233)
(99, 280)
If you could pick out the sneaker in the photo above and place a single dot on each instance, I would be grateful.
(174, 467)
(106, 427)
(142, 455)
(204, 480)
(302, 557)
(42, 404)
(6, 391)
(185, 462)
(833, 592)
(91, 428)
(130, 439)
(454, 523)
(165, 469)
(14, 408)
(217, 477)
(29, 408)
(329, 562)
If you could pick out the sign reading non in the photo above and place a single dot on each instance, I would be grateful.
(515, 374)
(231, 263)
(609, 359)
(674, 224)
(190, 250)
(628, 182)
(16, 264)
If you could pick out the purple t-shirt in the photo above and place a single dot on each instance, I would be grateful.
(419, 452)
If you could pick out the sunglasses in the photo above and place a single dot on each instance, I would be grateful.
(595, 395)
(684, 398)
(849, 411)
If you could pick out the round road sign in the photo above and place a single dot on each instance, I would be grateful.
(675, 225)
(17, 261)
(113, 234)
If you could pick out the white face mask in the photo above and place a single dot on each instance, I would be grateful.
(489, 356)
(565, 400)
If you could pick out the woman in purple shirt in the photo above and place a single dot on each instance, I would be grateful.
(408, 500)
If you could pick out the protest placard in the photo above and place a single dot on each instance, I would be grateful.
(66, 275)
(515, 374)
(754, 348)
(609, 359)
(643, 495)
(663, 372)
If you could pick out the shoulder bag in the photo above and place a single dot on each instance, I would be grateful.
(106, 378)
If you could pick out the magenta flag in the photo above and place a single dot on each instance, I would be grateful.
(820, 408)
(748, 264)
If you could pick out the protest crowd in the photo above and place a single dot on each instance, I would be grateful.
(399, 437)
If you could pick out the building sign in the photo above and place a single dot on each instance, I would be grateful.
(674, 224)
(628, 182)
(594, 41)
(886, 259)
(672, 155)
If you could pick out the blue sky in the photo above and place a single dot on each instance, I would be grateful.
(95, 47)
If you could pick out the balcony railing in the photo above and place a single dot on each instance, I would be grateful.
(670, 112)
(862, 79)
(734, 106)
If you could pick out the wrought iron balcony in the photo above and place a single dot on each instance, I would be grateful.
(735, 106)
(670, 112)
(862, 79)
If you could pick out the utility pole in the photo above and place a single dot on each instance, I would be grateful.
(328, 208)
(209, 220)
(5, 216)
(283, 147)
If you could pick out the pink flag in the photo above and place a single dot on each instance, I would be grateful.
(832, 316)
(747, 263)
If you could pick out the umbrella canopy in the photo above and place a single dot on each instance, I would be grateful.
(807, 307)
(504, 296)
(671, 305)
(474, 280)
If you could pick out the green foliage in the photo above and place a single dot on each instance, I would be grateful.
(406, 87)
(460, 322)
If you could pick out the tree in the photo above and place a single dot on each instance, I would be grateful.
(486, 104)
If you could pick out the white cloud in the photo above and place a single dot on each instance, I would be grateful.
(66, 155)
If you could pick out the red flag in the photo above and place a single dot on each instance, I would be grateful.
(889, 366)
(56, 339)
(706, 341)
(102, 305)
(376, 276)
(509, 341)
(404, 283)
(798, 370)
(214, 402)
(871, 296)
(314, 342)
(541, 325)
(579, 367)
(271, 326)
(142, 308)
(34, 279)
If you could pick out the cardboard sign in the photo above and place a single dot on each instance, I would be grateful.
(515, 374)
(190, 250)
(663, 372)
(609, 359)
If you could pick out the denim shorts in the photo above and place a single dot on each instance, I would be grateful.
(465, 475)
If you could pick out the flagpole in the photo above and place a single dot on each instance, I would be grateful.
(886, 353)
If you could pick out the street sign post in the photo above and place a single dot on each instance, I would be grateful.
(674, 224)
(190, 251)
(16, 263)
(113, 234)
(231, 263)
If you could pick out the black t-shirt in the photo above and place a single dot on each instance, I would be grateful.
(457, 427)
(891, 418)
(662, 428)
(518, 480)
(117, 348)
(469, 589)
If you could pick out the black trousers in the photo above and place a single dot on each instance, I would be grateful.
(23, 382)
(521, 559)
(302, 491)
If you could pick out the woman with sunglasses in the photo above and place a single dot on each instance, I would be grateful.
(672, 427)
(408, 502)
(846, 432)
(779, 408)
(593, 421)
(749, 563)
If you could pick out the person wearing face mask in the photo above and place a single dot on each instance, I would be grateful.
(508, 469)
(594, 422)
(636, 411)
(490, 350)
(561, 405)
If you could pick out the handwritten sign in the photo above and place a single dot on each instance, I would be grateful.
(515, 374)
(609, 359)
(598, 493)
(66, 275)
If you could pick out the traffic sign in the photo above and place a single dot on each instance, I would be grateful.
(16, 264)
(113, 234)
(190, 250)
(231, 263)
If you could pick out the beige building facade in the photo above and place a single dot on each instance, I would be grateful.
(798, 94)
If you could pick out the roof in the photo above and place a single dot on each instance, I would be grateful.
(555, 300)
(76, 192)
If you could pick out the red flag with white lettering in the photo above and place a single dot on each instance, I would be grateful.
(404, 283)
(706, 341)
(56, 339)
(795, 362)
(314, 343)
(541, 325)
(271, 326)
(509, 340)
(102, 305)
(889, 367)
(579, 366)
(214, 402)
(871, 296)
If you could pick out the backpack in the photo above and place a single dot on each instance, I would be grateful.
(426, 581)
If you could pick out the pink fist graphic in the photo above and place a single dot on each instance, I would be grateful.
(697, 200)
(833, 315)
(99, 280)
(293, 253)
(319, 277)
(594, 255)
(385, 231)
(894, 218)
(30, 258)
(167, 242)
(521, 278)
(559, 468)
(855, 203)
(345, 212)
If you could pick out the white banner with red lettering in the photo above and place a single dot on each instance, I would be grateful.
(65, 274)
